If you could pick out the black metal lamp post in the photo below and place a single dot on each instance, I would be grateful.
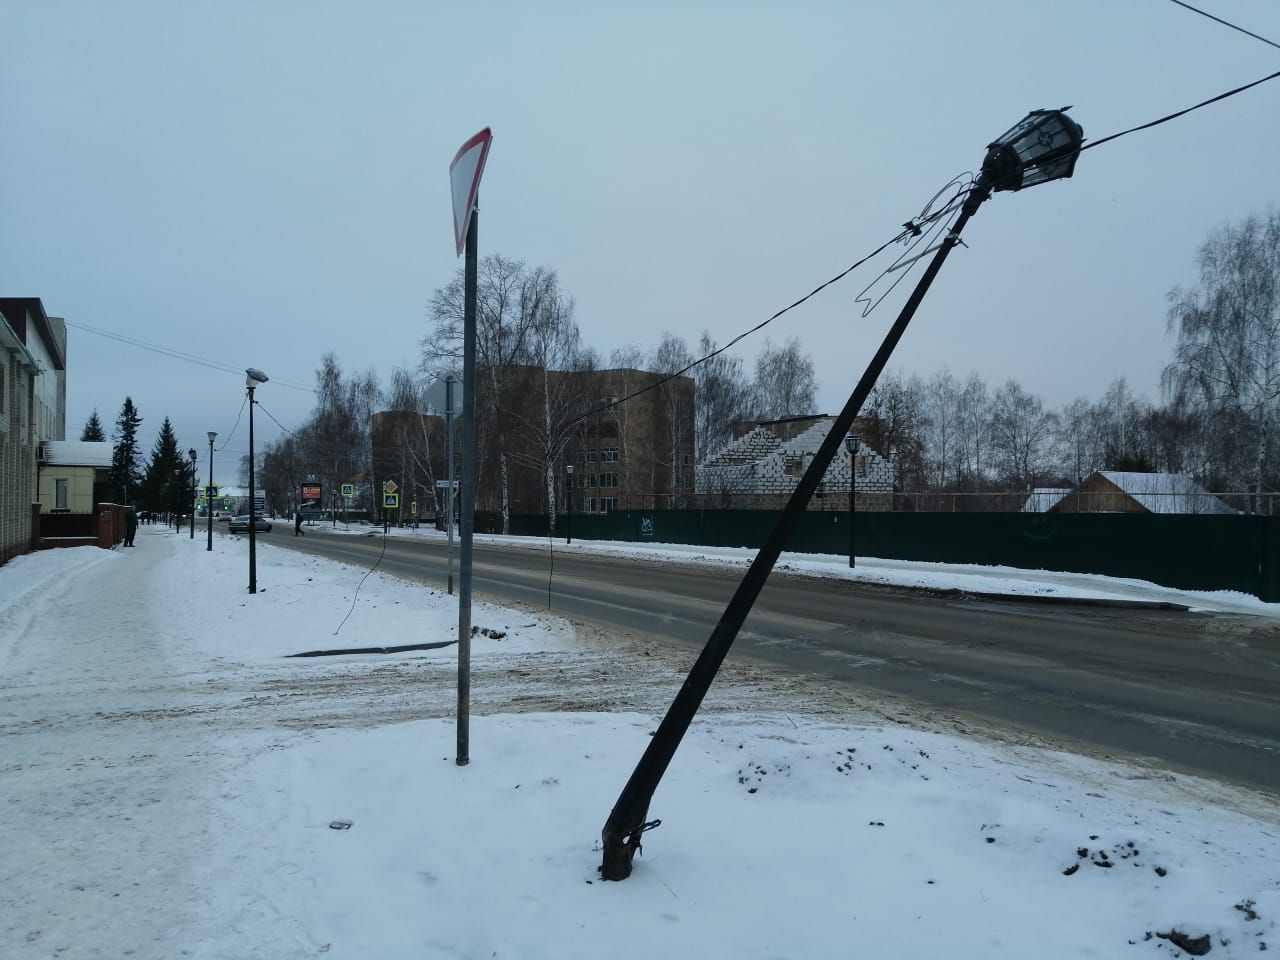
(568, 516)
(192, 454)
(208, 500)
(1042, 147)
(179, 496)
(252, 378)
(851, 445)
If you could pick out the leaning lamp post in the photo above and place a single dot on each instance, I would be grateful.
(252, 378)
(1042, 147)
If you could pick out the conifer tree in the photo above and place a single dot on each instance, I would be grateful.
(93, 429)
(166, 461)
(124, 458)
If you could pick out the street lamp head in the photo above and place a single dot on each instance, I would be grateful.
(192, 454)
(253, 377)
(568, 468)
(851, 443)
(212, 436)
(1043, 146)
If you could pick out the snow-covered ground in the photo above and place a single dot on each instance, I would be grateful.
(171, 780)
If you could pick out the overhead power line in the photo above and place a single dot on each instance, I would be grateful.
(1226, 23)
(1180, 113)
(178, 354)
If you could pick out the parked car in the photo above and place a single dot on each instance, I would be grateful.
(241, 524)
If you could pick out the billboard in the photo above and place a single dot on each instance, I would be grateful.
(310, 493)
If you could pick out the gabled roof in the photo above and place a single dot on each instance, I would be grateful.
(1167, 492)
(77, 453)
(1043, 499)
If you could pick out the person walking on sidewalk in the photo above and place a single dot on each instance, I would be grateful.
(297, 524)
(130, 525)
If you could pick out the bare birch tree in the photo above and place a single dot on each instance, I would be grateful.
(784, 383)
(1227, 359)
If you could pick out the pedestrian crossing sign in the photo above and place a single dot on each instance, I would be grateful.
(391, 501)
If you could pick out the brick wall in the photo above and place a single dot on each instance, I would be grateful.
(761, 468)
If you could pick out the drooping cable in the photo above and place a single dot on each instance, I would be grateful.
(236, 424)
(911, 229)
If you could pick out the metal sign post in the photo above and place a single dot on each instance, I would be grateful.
(448, 467)
(464, 181)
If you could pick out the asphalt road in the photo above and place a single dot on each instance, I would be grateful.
(1183, 692)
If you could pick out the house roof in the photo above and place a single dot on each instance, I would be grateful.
(1043, 499)
(17, 310)
(77, 453)
(1167, 492)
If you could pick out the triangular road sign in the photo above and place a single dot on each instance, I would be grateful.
(464, 181)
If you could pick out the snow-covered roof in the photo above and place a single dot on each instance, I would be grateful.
(1167, 492)
(77, 453)
(1043, 499)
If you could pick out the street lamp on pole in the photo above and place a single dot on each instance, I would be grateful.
(252, 378)
(208, 500)
(1043, 146)
(851, 443)
(192, 454)
(568, 516)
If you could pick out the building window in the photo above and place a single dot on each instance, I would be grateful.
(589, 455)
(608, 504)
(60, 493)
(860, 463)
(608, 479)
(590, 505)
(590, 480)
(609, 455)
(793, 466)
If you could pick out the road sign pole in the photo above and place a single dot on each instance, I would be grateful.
(464, 184)
(467, 520)
(448, 469)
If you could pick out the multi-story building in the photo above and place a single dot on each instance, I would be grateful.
(627, 435)
(33, 408)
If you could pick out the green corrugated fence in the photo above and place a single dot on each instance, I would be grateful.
(1191, 552)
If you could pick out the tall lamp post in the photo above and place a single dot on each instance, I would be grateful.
(252, 378)
(192, 454)
(179, 495)
(208, 500)
(1041, 147)
(568, 516)
(851, 444)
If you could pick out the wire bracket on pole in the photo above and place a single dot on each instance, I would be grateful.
(631, 842)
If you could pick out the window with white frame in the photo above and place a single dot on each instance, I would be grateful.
(609, 455)
(608, 479)
(608, 504)
(60, 493)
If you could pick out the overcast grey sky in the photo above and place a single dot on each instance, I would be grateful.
(258, 183)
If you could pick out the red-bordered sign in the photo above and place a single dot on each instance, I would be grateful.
(464, 182)
(310, 493)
